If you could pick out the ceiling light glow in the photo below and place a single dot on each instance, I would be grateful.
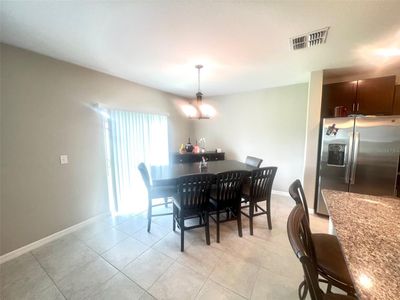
(388, 52)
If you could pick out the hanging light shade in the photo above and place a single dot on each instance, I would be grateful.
(199, 110)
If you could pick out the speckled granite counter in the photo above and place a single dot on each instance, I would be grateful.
(368, 229)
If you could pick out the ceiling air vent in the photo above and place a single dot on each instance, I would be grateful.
(310, 39)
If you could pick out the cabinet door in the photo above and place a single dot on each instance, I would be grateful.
(338, 94)
(396, 105)
(375, 96)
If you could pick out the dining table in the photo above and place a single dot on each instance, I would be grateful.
(168, 174)
(368, 230)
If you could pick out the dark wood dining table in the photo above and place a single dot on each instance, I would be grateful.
(167, 175)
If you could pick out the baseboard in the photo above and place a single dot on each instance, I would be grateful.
(281, 193)
(15, 253)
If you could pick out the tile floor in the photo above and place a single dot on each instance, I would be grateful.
(115, 258)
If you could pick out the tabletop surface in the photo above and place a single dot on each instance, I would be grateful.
(368, 229)
(173, 171)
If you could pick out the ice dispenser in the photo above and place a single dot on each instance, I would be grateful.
(336, 155)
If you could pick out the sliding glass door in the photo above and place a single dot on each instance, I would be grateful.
(134, 138)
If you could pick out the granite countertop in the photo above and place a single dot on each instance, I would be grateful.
(368, 229)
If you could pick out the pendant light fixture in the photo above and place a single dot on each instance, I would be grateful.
(199, 110)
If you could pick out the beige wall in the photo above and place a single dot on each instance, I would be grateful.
(269, 124)
(45, 112)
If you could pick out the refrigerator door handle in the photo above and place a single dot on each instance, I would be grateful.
(355, 156)
(348, 163)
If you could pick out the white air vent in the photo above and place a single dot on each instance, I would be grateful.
(310, 39)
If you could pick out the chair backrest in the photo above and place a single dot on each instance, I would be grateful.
(145, 175)
(194, 190)
(300, 239)
(229, 185)
(261, 183)
(253, 161)
(297, 193)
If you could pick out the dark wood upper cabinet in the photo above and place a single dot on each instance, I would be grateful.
(396, 104)
(375, 96)
(338, 94)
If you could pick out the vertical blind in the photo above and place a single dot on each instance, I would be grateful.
(134, 138)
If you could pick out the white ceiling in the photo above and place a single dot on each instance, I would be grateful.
(244, 45)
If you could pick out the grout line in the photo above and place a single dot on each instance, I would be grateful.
(52, 280)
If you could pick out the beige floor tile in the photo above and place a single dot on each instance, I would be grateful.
(212, 290)
(87, 279)
(50, 293)
(23, 278)
(147, 268)
(124, 252)
(201, 258)
(118, 287)
(235, 274)
(147, 296)
(105, 240)
(116, 220)
(271, 286)
(171, 244)
(133, 225)
(91, 229)
(63, 256)
(156, 233)
(179, 282)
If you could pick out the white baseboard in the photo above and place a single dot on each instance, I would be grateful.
(281, 193)
(15, 253)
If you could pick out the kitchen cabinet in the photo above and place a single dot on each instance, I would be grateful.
(373, 96)
(338, 94)
(396, 105)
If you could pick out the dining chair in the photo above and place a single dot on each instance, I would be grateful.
(192, 200)
(330, 261)
(227, 198)
(253, 161)
(259, 190)
(300, 239)
(155, 192)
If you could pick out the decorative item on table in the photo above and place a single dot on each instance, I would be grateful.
(196, 148)
(182, 149)
(218, 150)
(202, 144)
(203, 164)
(189, 146)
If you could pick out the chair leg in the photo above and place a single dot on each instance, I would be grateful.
(166, 202)
(182, 227)
(207, 228)
(174, 215)
(269, 214)
(149, 214)
(303, 294)
(251, 217)
(239, 221)
(217, 226)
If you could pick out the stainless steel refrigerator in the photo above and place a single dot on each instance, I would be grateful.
(360, 155)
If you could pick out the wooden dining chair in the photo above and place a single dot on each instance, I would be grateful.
(253, 161)
(227, 198)
(259, 190)
(300, 239)
(192, 200)
(155, 192)
(330, 261)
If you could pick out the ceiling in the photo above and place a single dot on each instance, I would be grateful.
(243, 45)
